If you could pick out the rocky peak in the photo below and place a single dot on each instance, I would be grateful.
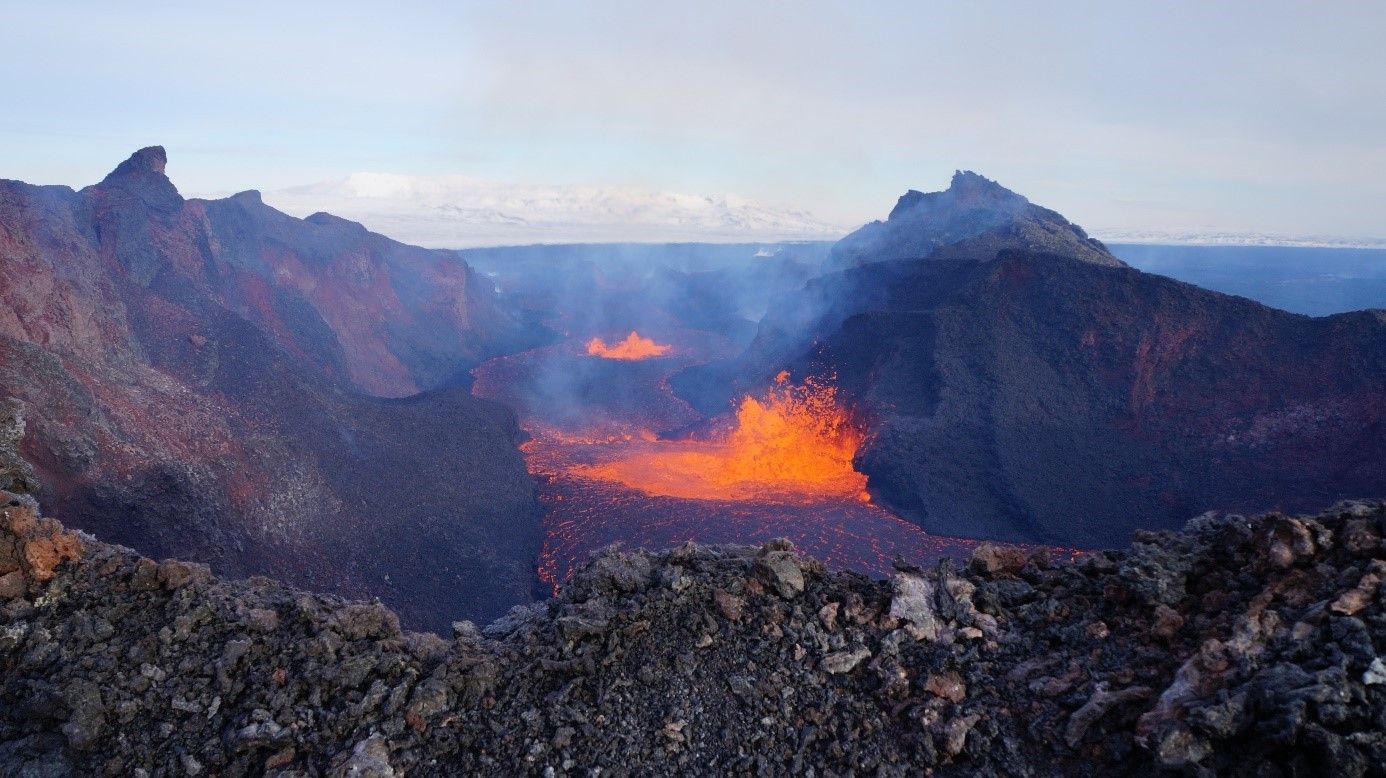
(970, 188)
(909, 201)
(975, 218)
(325, 219)
(967, 191)
(142, 175)
(150, 159)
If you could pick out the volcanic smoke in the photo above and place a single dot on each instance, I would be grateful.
(634, 347)
(796, 444)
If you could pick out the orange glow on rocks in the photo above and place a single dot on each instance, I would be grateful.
(634, 347)
(795, 444)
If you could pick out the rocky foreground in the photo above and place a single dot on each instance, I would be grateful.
(1241, 645)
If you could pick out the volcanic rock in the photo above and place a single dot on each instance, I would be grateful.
(1021, 384)
(242, 677)
(992, 559)
(912, 600)
(16, 475)
(728, 604)
(1376, 673)
(784, 572)
(1168, 622)
(974, 216)
(844, 661)
(202, 379)
(33, 546)
(1096, 707)
(948, 685)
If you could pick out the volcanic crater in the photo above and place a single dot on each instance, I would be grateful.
(620, 460)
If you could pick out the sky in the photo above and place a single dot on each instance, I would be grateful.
(1163, 118)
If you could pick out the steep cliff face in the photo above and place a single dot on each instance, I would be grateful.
(1040, 397)
(198, 376)
(1033, 396)
(1239, 646)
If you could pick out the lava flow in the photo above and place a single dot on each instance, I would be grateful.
(781, 468)
(795, 444)
(634, 347)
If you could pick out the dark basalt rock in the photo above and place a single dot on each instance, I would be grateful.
(718, 660)
(16, 475)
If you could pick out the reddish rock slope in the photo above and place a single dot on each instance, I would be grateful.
(199, 379)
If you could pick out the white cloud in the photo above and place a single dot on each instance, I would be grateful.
(456, 211)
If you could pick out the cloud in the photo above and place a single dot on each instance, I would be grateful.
(1175, 116)
(456, 211)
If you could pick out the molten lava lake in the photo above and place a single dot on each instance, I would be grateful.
(634, 347)
(780, 465)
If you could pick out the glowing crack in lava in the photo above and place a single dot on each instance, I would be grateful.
(634, 347)
(795, 444)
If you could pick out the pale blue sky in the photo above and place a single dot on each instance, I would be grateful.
(1256, 116)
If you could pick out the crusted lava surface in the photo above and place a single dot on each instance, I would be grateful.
(1239, 645)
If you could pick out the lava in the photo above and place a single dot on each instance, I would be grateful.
(634, 347)
(794, 444)
(781, 468)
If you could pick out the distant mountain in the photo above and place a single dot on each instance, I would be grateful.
(1221, 238)
(200, 377)
(1022, 383)
(459, 211)
(1301, 279)
(972, 219)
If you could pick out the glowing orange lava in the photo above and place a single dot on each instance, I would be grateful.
(632, 348)
(794, 444)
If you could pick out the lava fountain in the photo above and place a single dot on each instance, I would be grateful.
(634, 347)
(781, 467)
(793, 444)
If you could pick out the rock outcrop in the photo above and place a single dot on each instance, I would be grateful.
(973, 218)
(1245, 646)
(16, 475)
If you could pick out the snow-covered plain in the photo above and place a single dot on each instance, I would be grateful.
(1216, 238)
(460, 211)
